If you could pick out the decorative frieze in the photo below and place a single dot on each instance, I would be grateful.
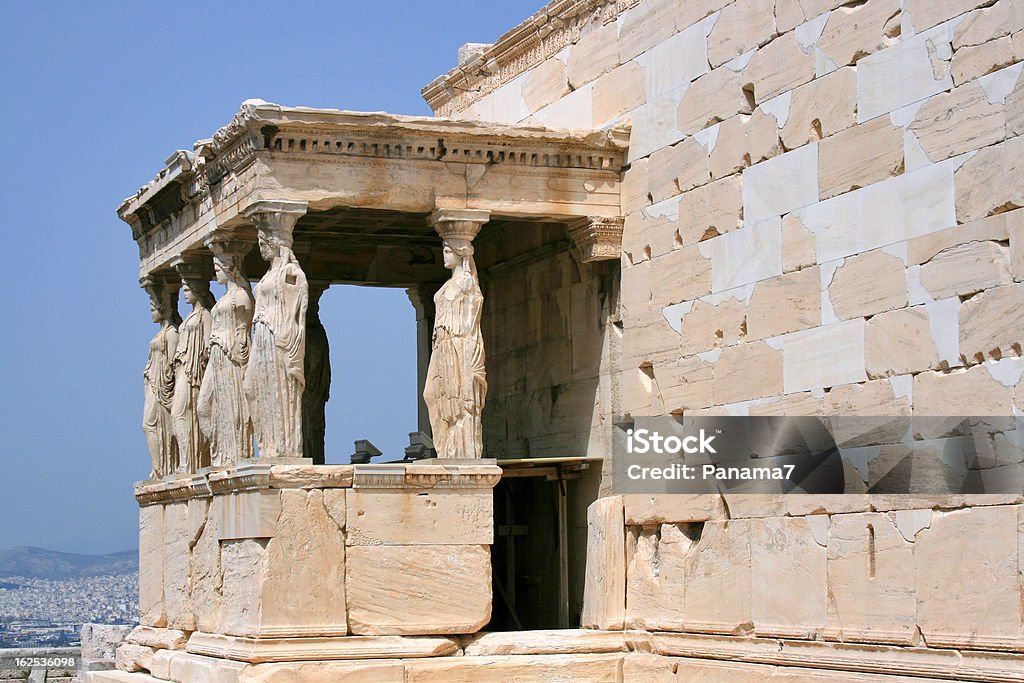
(596, 238)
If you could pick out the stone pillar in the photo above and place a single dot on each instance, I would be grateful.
(318, 378)
(422, 298)
(158, 377)
(189, 363)
(456, 383)
(275, 376)
(223, 414)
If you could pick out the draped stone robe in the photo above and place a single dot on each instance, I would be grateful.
(456, 380)
(158, 383)
(223, 410)
(274, 377)
(190, 360)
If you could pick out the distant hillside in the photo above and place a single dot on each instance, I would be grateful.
(37, 563)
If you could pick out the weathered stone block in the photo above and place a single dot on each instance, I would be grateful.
(909, 71)
(133, 658)
(676, 169)
(648, 509)
(899, 343)
(976, 61)
(853, 32)
(303, 588)
(996, 228)
(965, 269)
(617, 92)
(987, 182)
(687, 269)
(429, 518)
(960, 393)
(655, 584)
(778, 67)
(599, 668)
(675, 62)
(780, 185)
(692, 388)
(747, 371)
(821, 108)
(824, 356)
(366, 671)
(927, 13)
(178, 542)
(545, 84)
(418, 590)
(988, 23)
(706, 326)
(689, 12)
(958, 121)
(799, 245)
(903, 207)
(718, 579)
(711, 210)
(792, 559)
(786, 303)
(868, 402)
(595, 54)
(205, 569)
(742, 26)
(869, 283)
(992, 324)
(151, 566)
(975, 550)
(871, 581)
(859, 156)
(745, 256)
(248, 514)
(643, 27)
(715, 96)
(604, 591)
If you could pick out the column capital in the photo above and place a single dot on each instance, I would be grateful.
(276, 216)
(193, 267)
(230, 242)
(596, 238)
(462, 224)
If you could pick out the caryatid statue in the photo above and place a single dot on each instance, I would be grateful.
(223, 411)
(318, 379)
(456, 383)
(158, 377)
(190, 358)
(275, 377)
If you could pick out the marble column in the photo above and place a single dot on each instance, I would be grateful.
(158, 376)
(456, 384)
(223, 412)
(275, 375)
(422, 298)
(318, 378)
(189, 363)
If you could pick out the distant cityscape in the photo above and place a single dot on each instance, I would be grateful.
(42, 606)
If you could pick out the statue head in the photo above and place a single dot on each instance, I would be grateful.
(274, 243)
(163, 301)
(457, 252)
(197, 292)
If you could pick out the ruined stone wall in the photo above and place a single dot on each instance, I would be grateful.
(821, 201)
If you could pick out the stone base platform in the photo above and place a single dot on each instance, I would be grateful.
(561, 655)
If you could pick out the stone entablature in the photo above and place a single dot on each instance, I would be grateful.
(370, 161)
(554, 27)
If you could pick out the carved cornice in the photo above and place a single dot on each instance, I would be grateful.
(255, 475)
(461, 224)
(596, 238)
(557, 25)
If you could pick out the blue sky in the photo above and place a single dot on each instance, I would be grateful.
(96, 95)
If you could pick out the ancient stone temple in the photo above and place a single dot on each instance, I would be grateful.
(625, 209)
